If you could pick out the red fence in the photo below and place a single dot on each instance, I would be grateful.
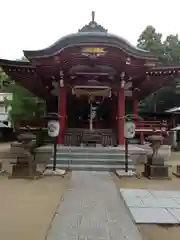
(152, 125)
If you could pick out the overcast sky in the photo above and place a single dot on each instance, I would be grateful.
(36, 24)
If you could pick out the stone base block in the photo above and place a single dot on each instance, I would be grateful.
(156, 171)
(177, 173)
(125, 174)
(57, 172)
(23, 171)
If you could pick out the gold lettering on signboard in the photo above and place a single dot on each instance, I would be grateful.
(93, 50)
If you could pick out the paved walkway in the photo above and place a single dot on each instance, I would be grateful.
(92, 210)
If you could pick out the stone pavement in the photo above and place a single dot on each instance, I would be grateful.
(92, 209)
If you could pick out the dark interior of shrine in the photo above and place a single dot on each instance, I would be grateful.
(79, 108)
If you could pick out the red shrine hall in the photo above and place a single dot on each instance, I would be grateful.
(93, 79)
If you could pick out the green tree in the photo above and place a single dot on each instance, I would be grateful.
(168, 52)
(160, 101)
(4, 81)
(152, 41)
(24, 105)
(172, 49)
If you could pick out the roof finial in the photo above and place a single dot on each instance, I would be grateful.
(93, 15)
(92, 26)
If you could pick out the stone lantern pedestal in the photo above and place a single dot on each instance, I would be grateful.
(24, 165)
(177, 173)
(155, 167)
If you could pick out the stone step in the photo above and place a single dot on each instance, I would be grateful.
(91, 161)
(77, 155)
(72, 149)
(83, 167)
(91, 156)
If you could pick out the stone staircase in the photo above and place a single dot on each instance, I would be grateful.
(91, 159)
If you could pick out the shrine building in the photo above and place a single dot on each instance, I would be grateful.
(92, 79)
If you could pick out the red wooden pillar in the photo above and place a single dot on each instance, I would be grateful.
(121, 114)
(62, 113)
(114, 113)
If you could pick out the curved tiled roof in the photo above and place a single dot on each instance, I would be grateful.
(85, 38)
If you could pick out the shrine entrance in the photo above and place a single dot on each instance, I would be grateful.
(90, 117)
(90, 109)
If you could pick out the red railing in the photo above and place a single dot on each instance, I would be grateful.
(152, 125)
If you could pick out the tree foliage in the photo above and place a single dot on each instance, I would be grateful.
(24, 105)
(152, 41)
(168, 52)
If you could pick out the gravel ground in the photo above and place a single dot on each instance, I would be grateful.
(27, 207)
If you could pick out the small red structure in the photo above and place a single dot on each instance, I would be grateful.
(89, 78)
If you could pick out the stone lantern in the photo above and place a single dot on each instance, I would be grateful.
(23, 150)
(155, 167)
